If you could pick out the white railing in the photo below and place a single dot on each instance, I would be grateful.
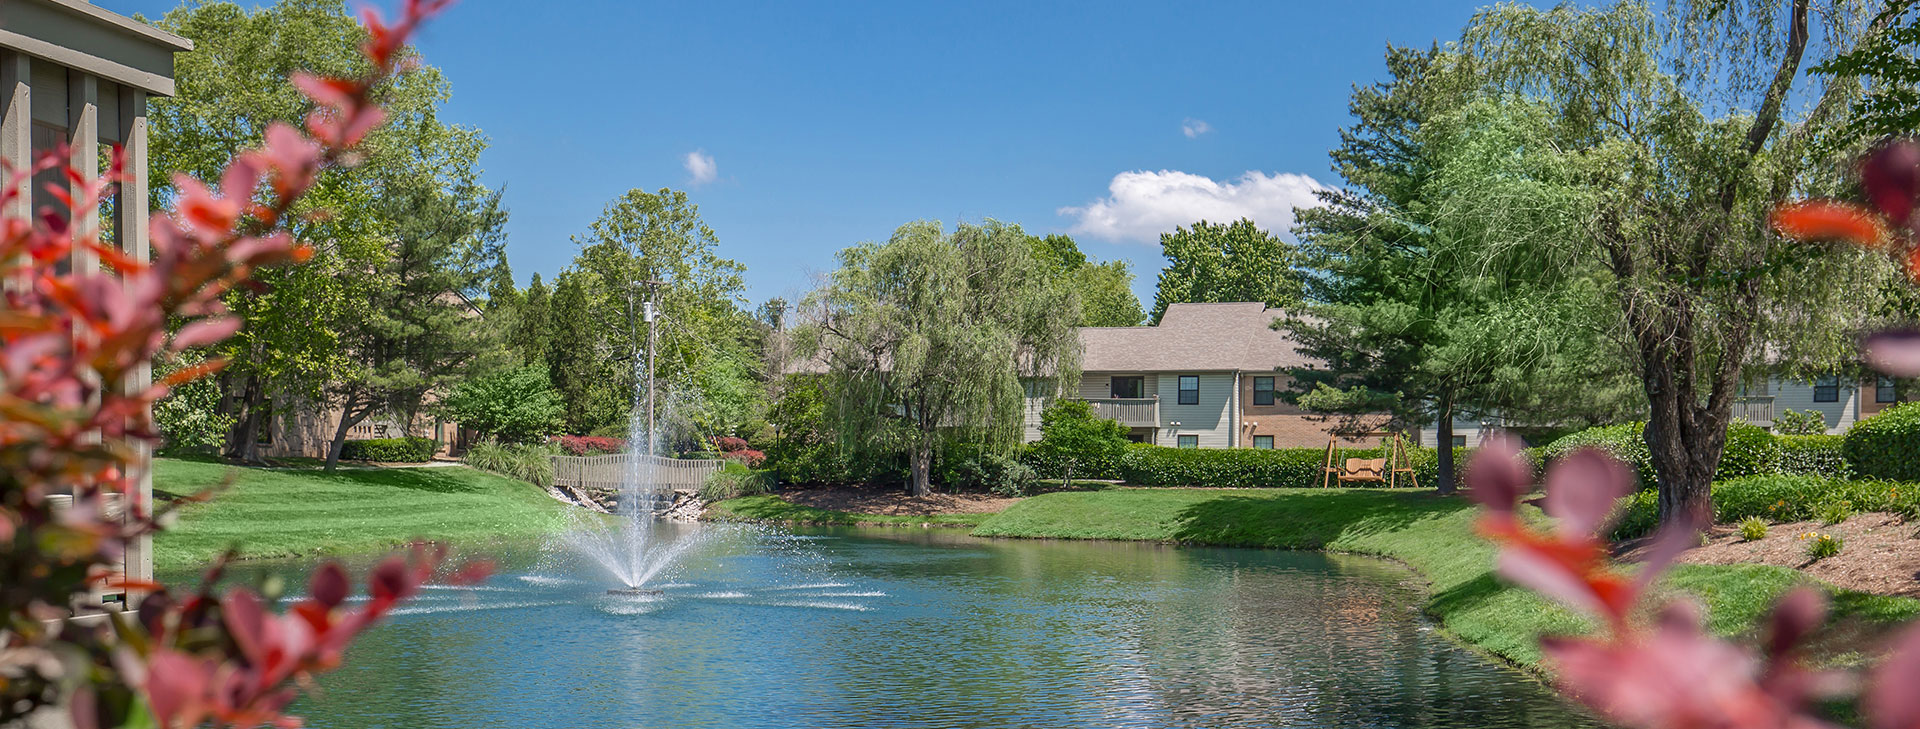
(1755, 410)
(1137, 412)
(610, 472)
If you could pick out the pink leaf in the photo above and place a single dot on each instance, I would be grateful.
(1797, 614)
(205, 331)
(329, 585)
(246, 622)
(1893, 698)
(1549, 578)
(1582, 489)
(1498, 476)
(1891, 176)
(1895, 352)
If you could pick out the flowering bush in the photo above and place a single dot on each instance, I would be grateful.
(74, 421)
(589, 445)
(1821, 546)
(1667, 674)
(737, 450)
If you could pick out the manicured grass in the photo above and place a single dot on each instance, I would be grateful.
(1431, 534)
(769, 508)
(290, 513)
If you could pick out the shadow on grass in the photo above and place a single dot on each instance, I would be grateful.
(434, 480)
(1466, 595)
(1308, 519)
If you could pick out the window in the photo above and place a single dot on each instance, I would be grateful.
(1459, 441)
(1136, 437)
(1130, 387)
(1189, 390)
(1884, 391)
(1263, 391)
(1826, 389)
(1264, 442)
(1189, 441)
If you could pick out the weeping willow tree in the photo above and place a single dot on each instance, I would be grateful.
(1647, 149)
(932, 335)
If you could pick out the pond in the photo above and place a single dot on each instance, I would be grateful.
(926, 628)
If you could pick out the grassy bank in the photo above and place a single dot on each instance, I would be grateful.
(291, 513)
(774, 509)
(1433, 535)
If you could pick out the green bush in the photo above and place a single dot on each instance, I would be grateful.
(1822, 546)
(517, 405)
(1835, 512)
(1800, 422)
(1779, 499)
(1753, 529)
(734, 481)
(1074, 441)
(389, 450)
(1750, 450)
(529, 462)
(189, 417)
(969, 467)
(1887, 445)
(1811, 455)
(1151, 465)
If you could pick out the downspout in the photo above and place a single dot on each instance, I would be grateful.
(1233, 417)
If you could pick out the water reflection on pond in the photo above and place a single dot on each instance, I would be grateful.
(909, 628)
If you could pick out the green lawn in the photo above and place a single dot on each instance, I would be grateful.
(290, 513)
(777, 510)
(1433, 535)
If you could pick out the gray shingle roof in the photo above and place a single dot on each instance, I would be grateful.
(1192, 338)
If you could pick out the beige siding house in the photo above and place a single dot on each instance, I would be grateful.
(1207, 376)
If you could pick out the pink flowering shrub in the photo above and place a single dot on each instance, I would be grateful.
(737, 450)
(1668, 673)
(588, 445)
(72, 423)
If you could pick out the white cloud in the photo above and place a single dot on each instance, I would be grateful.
(702, 167)
(1141, 205)
(1193, 128)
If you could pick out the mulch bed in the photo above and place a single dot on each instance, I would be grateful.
(1881, 552)
(895, 502)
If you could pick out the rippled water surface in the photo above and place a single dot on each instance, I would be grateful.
(930, 629)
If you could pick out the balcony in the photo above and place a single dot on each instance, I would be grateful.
(1755, 410)
(1133, 412)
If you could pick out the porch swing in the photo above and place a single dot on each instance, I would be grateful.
(1369, 470)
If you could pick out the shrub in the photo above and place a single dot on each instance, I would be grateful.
(517, 405)
(969, 467)
(1884, 446)
(733, 481)
(1811, 455)
(188, 418)
(589, 445)
(1803, 422)
(1835, 512)
(1822, 546)
(1753, 529)
(737, 450)
(1779, 499)
(529, 462)
(1149, 465)
(1750, 449)
(389, 450)
(1073, 440)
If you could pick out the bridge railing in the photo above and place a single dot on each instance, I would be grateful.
(610, 472)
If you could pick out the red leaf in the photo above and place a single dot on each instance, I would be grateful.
(1895, 353)
(1582, 489)
(1498, 476)
(205, 331)
(328, 585)
(1821, 220)
(1891, 176)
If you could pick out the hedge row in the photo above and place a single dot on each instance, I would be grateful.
(1777, 499)
(1887, 445)
(389, 450)
(1151, 465)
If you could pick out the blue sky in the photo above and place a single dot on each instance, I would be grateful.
(823, 124)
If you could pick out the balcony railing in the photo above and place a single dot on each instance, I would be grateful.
(1755, 410)
(1133, 412)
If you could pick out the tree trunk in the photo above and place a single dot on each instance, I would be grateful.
(1686, 442)
(243, 444)
(1445, 446)
(349, 416)
(920, 464)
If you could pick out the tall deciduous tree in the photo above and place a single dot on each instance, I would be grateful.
(1105, 288)
(1226, 262)
(933, 332)
(1653, 159)
(531, 329)
(1401, 317)
(230, 87)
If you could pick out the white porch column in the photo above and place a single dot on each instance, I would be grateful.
(16, 128)
(83, 140)
(130, 233)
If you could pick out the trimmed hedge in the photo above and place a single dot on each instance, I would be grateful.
(389, 450)
(1887, 445)
(1777, 499)
(1150, 465)
(1750, 451)
(1811, 455)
